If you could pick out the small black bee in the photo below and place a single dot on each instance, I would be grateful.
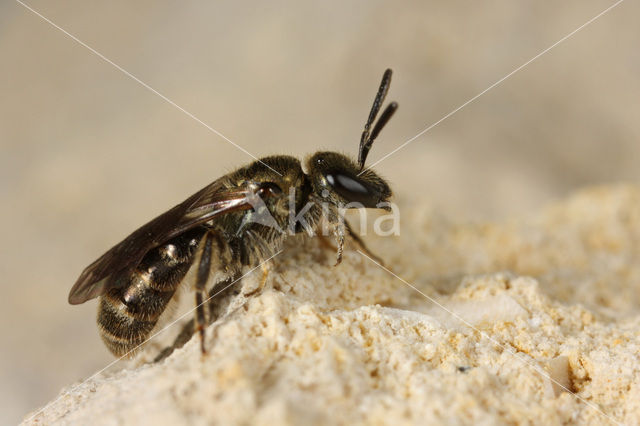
(239, 220)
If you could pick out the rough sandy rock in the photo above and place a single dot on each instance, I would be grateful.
(534, 320)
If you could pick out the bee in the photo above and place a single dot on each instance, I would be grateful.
(238, 221)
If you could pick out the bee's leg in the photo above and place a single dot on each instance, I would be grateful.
(220, 291)
(204, 268)
(325, 242)
(337, 225)
(339, 233)
(185, 334)
(265, 274)
(356, 238)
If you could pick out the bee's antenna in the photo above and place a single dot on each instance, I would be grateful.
(368, 137)
(382, 121)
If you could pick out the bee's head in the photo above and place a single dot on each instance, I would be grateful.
(342, 182)
(337, 179)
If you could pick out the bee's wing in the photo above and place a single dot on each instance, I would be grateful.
(201, 207)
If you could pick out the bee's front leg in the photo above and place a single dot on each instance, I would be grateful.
(265, 274)
(343, 229)
(356, 238)
(339, 232)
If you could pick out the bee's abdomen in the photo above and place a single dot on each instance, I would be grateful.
(128, 313)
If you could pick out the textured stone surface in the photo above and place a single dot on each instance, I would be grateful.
(87, 155)
(535, 319)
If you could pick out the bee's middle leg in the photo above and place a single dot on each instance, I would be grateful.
(356, 238)
(263, 280)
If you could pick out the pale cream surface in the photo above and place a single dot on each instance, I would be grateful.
(87, 154)
(554, 338)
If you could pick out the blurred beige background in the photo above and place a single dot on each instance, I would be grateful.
(88, 154)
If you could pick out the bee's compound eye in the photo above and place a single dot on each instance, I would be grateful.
(269, 189)
(351, 188)
(346, 183)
